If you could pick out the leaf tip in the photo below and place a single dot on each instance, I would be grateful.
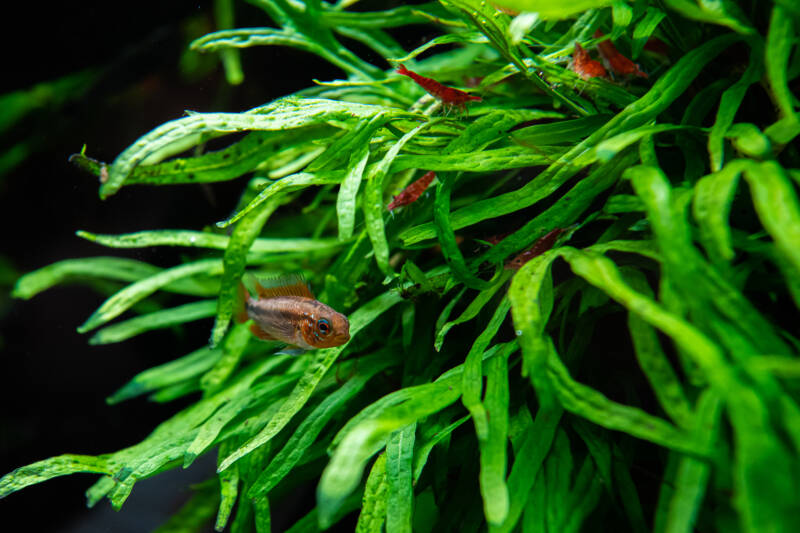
(188, 459)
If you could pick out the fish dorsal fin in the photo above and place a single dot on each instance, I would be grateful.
(288, 285)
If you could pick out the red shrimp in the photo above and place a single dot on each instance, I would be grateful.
(584, 66)
(413, 191)
(506, 10)
(494, 239)
(616, 62)
(657, 46)
(541, 245)
(447, 95)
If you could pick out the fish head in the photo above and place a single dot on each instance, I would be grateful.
(326, 328)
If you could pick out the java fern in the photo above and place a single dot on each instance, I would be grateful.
(679, 197)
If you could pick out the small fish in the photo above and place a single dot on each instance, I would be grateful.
(449, 96)
(541, 245)
(410, 194)
(285, 310)
(616, 62)
(586, 67)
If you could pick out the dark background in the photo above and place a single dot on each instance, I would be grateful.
(54, 384)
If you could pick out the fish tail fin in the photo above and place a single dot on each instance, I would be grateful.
(401, 69)
(239, 304)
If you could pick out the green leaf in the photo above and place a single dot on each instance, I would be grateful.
(603, 274)
(612, 146)
(472, 309)
(645, 29)
(373, 504)
(195, 513)
(531, 300)
(423, 451)
(777, 206)
(50, 468)
(627, 491)
(472, 380)
(692, 475)
(589, 403)
(528, 464)
(400, 493)
(232, 351)
(114, 268)
(167, 374)
(742, 325)
(310, 428)
(322, 361)
(447, 239)
(466, 37)
(493, 447)
(483, 161)
(782, 32)
(234, 262)
(621, 14)
(562, 131)
(130, 295)
(230, 401)
(285, 114)
(549, 9)
(373, 200)
(712, 203)
(159, 319)
(223, 12)
(654, 363)
(202, 239)
(729, 105)
(665, 90)
(343, 473)
(346, 201)
(229, 490)
(749, 140)
(723, 12)
(220, 165)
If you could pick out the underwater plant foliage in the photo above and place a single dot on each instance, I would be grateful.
(586, 321)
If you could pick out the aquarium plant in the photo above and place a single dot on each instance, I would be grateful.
(584, 318)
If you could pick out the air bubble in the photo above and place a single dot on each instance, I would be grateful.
(518, 332)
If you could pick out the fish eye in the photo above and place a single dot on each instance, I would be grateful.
(324, 326)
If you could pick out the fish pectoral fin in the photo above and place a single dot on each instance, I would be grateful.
(292, 350)
(261, 334)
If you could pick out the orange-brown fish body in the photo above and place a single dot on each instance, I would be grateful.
(289, 313)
